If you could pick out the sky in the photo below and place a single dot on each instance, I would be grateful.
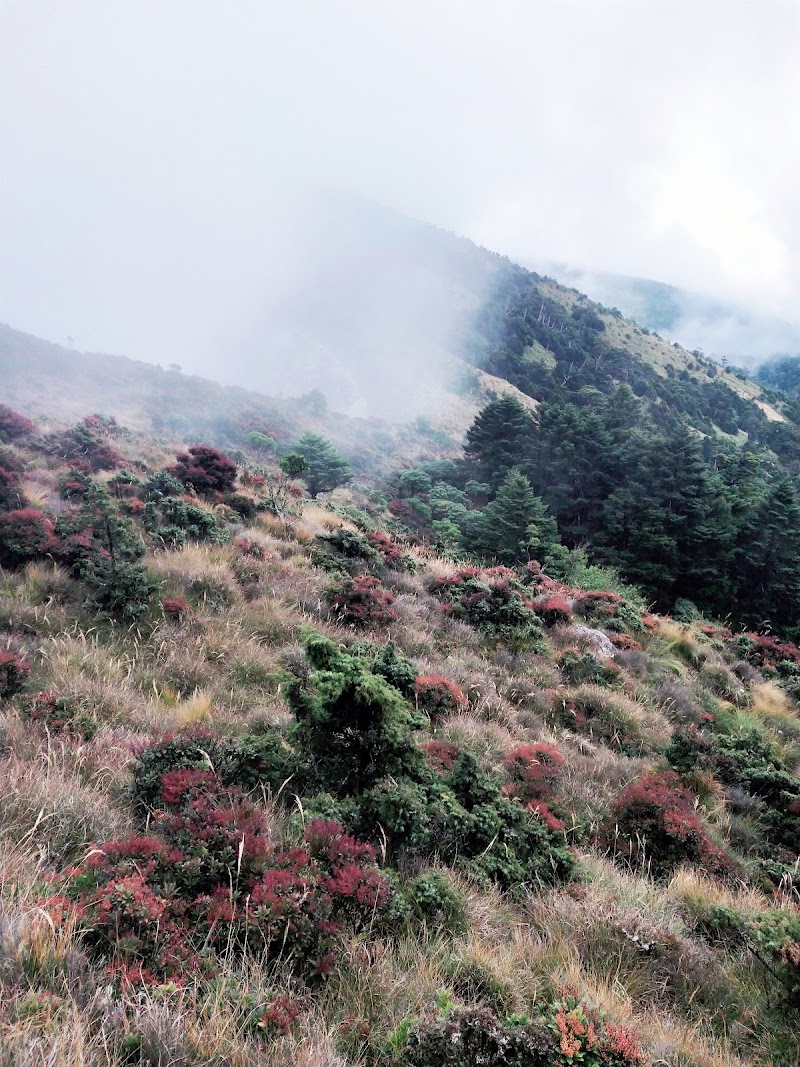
(144, 142)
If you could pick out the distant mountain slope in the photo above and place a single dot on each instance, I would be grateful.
(396, 319)
(720, 329)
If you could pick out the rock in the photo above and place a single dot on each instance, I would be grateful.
(596, 640)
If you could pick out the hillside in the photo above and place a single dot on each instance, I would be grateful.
(283, 783)
(342, 741)
(724, 331)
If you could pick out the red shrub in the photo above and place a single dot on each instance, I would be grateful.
(25, 535)
(655, 819)
(441, 755)
(625, 643)
(251, 548)
(541, 811)
(11, 495)
(176, 607)
(400, 508)
(767, 651)
(205, 469)
(438, 696)
(13, 674)
(533, 770)
(363, 602)
(14, 425)
(212, 880)
(553, 609)
(599, 604)
(391, 552)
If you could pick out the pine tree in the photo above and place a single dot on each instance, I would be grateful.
(515, 525)
(501, 437)
(325, 467)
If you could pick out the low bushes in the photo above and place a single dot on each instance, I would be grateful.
(363, 602)
(493, 601)
(26, 534)
(655, 821)
(438, 696)
(210, 880)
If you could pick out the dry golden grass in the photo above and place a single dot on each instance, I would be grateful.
(627, 723)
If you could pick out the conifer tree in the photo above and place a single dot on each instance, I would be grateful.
(501, 437)
(325, 467)
(515, 525)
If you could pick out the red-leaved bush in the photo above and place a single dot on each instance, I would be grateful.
(599, 605)
(533, 770)
(440, 754)
(13, 674)
(655, 820)
(25, 535)
(363, 602)
(176, 607)
(553, 609)
(438, 696)
(211, 878)
(14, 425)
(392, 552)
(205, 469)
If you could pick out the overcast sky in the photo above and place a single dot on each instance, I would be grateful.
(140, 140)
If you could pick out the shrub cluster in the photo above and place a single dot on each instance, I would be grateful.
(438, 696)
(655, 820)
(567, 1032)
(356, 733)
(13, 425)
(494, 601)
(26, 534)
(209, 879)
(204, 469)
(362, 601)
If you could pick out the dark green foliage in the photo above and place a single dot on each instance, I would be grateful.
(782, 373)
(325, 467)
(500, 439)
(515, 526)
(293, 464)
(260, 442)
(389, 664)
(345, 550)
(776, 940)
(104, 550)
(247, 763)
(433, 899)
(353, 726)
(162, 484)
(495, 602)
(174, 522)
(356, 732)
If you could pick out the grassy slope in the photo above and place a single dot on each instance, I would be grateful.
(696, 999)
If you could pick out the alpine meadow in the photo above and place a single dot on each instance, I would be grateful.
(472, 739)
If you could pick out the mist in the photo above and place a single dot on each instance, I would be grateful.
(721, 330)
(149, 148)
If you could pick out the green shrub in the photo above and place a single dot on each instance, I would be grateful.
(434, 900)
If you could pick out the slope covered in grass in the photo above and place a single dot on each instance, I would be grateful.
(283, 784)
